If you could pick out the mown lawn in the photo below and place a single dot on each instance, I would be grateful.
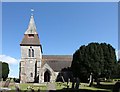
(29, 86)
(62, 87)
(84, 87)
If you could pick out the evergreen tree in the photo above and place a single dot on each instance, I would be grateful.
(95, 58)
(5, 70)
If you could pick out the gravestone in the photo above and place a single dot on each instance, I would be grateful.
(7, 83)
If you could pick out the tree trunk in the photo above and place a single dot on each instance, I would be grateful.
(98, 81)
(91, 80)
(91, 83)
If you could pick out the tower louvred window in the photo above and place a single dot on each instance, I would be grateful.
(29, 52)
(31, 35)
(32, 52)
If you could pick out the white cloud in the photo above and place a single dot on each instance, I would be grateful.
(13, 65)
(118, 53)
(8, 59)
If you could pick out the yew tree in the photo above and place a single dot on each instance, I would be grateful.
(96, 58)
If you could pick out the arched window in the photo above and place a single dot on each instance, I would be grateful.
(32, 52)
(31, 74)
(29, 53)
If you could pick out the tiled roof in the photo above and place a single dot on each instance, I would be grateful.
(31, 35)
(30, 40)
(57, 62)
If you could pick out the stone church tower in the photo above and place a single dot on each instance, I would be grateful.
(31, 54)
(35, 67)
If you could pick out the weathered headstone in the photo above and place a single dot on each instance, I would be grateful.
(7, 83)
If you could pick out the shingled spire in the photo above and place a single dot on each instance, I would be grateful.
(31, 27)
(31, 36)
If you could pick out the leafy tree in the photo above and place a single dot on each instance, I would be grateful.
(95, 58)
(5, 70)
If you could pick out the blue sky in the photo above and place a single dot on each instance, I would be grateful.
(62, 27)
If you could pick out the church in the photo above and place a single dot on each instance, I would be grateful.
(34, 66)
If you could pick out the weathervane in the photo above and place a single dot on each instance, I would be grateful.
(32, 10)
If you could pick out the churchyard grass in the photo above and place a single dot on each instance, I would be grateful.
(28, 86)
(117, 79)
(60, 85)
(105, 86)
